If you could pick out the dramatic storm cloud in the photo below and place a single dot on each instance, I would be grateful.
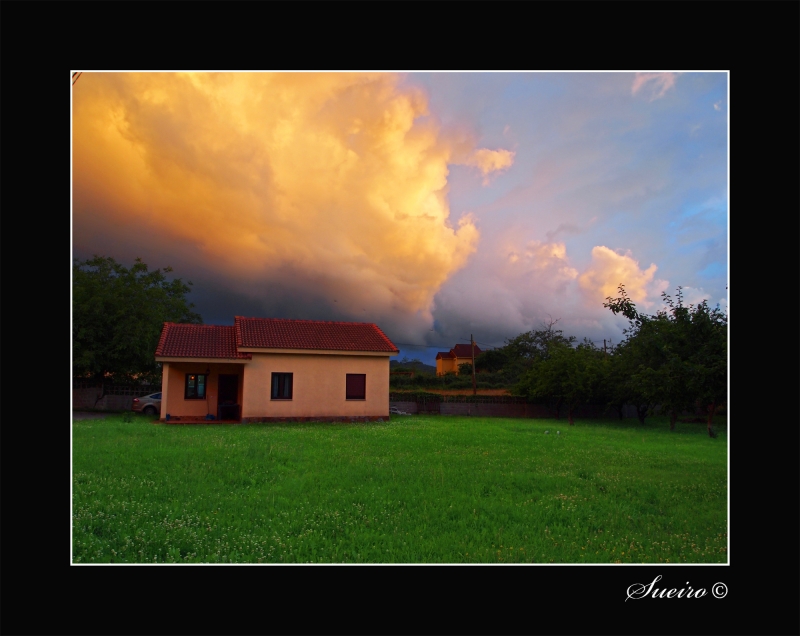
(334, 183)
(436, 205)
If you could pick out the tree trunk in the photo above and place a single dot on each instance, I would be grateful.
(102, 390)
(673, 415)
(619, 409)
(569, 415)
(641, 413)
(558, 408)
(712, 407)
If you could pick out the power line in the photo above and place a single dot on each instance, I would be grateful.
(76, 76)
(408, 344)
(482, 343)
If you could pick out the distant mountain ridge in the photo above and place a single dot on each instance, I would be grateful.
(412, 364)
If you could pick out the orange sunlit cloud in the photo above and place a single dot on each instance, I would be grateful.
(608, 269)
(547, 262)
(488, 161)
(339, 176)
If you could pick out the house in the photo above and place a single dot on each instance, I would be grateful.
(448, 361)
(268, 369)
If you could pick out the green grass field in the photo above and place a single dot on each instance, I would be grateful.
(435, 489)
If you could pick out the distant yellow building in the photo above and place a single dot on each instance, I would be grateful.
(448, 361)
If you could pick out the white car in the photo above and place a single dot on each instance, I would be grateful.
(147, 404)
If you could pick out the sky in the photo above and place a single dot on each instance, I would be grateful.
(436, 205)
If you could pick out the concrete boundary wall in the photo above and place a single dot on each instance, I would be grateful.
(479, 409)
(87, 399)
(406, 407)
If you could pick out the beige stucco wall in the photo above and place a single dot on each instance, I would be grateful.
(173, 383)
(164, 388)
(318, 385)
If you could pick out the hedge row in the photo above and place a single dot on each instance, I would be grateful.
(425, 397)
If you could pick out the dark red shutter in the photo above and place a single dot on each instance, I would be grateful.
(356, 386)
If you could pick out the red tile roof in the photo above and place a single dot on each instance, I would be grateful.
(465, 350)
(444, 354)
(199, 341)
(279, 333)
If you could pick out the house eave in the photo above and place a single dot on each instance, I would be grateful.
(203, 360)
(324, 352)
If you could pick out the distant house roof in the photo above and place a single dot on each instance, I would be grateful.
(459, 351)
(199, 341)
(279, 333)
(465, 350)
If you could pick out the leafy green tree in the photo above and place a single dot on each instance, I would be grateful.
(117, 317)
(667, 381)
(567, 376)
(520, 353)
(537, 344)
(707, 346)
(677, 357)
(712, 379)
(636, 352)
(406, 364)
(618, 388)
(492, 360)
(465, 368)
(653, 357)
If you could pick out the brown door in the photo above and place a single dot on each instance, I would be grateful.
(228, 390)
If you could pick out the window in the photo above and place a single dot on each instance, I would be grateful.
(156, 396)
(281, 386)
(356, 386)
(195, 386)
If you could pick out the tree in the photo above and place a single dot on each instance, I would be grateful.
(492, 360)
(708, 347)
(676, 357)
(520, 353)
(117, 317)
(465, 368)
(409, 362)
(622, 385)
(536, 344)
(618, 388)
(566, 375)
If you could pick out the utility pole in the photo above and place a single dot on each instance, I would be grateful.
(604, 347)
(474, 386)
